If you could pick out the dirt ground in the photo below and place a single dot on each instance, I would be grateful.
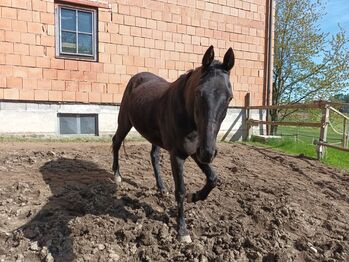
(58, 202)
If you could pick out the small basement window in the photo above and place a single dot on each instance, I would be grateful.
(76, 32)
(78, 124)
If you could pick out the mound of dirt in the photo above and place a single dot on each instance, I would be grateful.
(59, 202)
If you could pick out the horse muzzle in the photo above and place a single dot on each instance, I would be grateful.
(206, 156)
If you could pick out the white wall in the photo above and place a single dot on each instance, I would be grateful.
(41, 119)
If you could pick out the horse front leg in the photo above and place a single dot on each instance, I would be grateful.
(211, 182)
(177, 172)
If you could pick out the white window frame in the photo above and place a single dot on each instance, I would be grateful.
(77, 117)
(77, 56)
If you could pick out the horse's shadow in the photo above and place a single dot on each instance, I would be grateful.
(78, 188)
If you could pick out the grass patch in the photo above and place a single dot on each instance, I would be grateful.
(333, 157)
(307, 134)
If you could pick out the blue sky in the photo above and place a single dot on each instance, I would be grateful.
(337, 12)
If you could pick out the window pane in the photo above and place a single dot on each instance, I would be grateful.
(85, 22)
(68, 42)
(88, 125)
(68, 125)
(68, 19)
(85, 44)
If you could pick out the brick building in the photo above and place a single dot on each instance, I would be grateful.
(64, 64)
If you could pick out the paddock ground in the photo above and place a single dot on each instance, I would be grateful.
(58, 202)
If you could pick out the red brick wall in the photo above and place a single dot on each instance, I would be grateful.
(134, 36)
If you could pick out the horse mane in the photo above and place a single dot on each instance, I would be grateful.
(182, 79)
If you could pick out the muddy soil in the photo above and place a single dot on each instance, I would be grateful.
(58, 202)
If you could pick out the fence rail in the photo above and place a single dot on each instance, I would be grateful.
(313, 105)
(331, 145)
(324, 124)
(284, 123)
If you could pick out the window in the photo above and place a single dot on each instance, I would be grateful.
(78, 124)
(76, 32)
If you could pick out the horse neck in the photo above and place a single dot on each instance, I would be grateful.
(189, 94)
(182, 96)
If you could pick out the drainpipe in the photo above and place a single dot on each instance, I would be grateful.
(268, 57)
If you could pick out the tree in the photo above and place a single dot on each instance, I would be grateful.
(308, 63)
(342, 98)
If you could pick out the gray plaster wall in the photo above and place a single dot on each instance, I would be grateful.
(234, 125)
(40, 119)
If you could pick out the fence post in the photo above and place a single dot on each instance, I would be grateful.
(345, 133)
(323, 131)
(247, 111)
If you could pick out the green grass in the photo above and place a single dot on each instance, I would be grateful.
(307, 134)
(333, 157)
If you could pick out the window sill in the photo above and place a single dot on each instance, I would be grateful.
(77, 58)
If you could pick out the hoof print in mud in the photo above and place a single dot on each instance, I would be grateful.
(192, 197)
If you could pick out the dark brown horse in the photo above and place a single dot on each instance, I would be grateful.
(182, 117)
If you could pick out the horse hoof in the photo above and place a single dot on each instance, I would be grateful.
(184, 239)
(118, 179)
(163, 192)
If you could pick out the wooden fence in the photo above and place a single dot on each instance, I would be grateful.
(326, 108)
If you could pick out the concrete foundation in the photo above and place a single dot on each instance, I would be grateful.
(41, 119)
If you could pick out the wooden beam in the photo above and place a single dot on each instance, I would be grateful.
(323, 131)
(290, 106)
(345, 133)
(339, 113)
(275, 123)
(332, 146)
(318, 104)
(247, 117)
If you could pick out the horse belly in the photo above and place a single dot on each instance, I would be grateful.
(151, 134)
(143, 115)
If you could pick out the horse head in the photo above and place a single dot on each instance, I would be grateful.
(210, 97)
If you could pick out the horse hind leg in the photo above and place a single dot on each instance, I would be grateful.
(123, 128)
(155, 158)
(211, 182)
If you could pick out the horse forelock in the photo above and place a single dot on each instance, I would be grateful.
(215, 69)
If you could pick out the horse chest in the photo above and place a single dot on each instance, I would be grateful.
(191, 142)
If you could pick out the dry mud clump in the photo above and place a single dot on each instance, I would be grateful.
(58, 202)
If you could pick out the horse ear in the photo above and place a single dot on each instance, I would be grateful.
(229, 59)
(208, 57)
